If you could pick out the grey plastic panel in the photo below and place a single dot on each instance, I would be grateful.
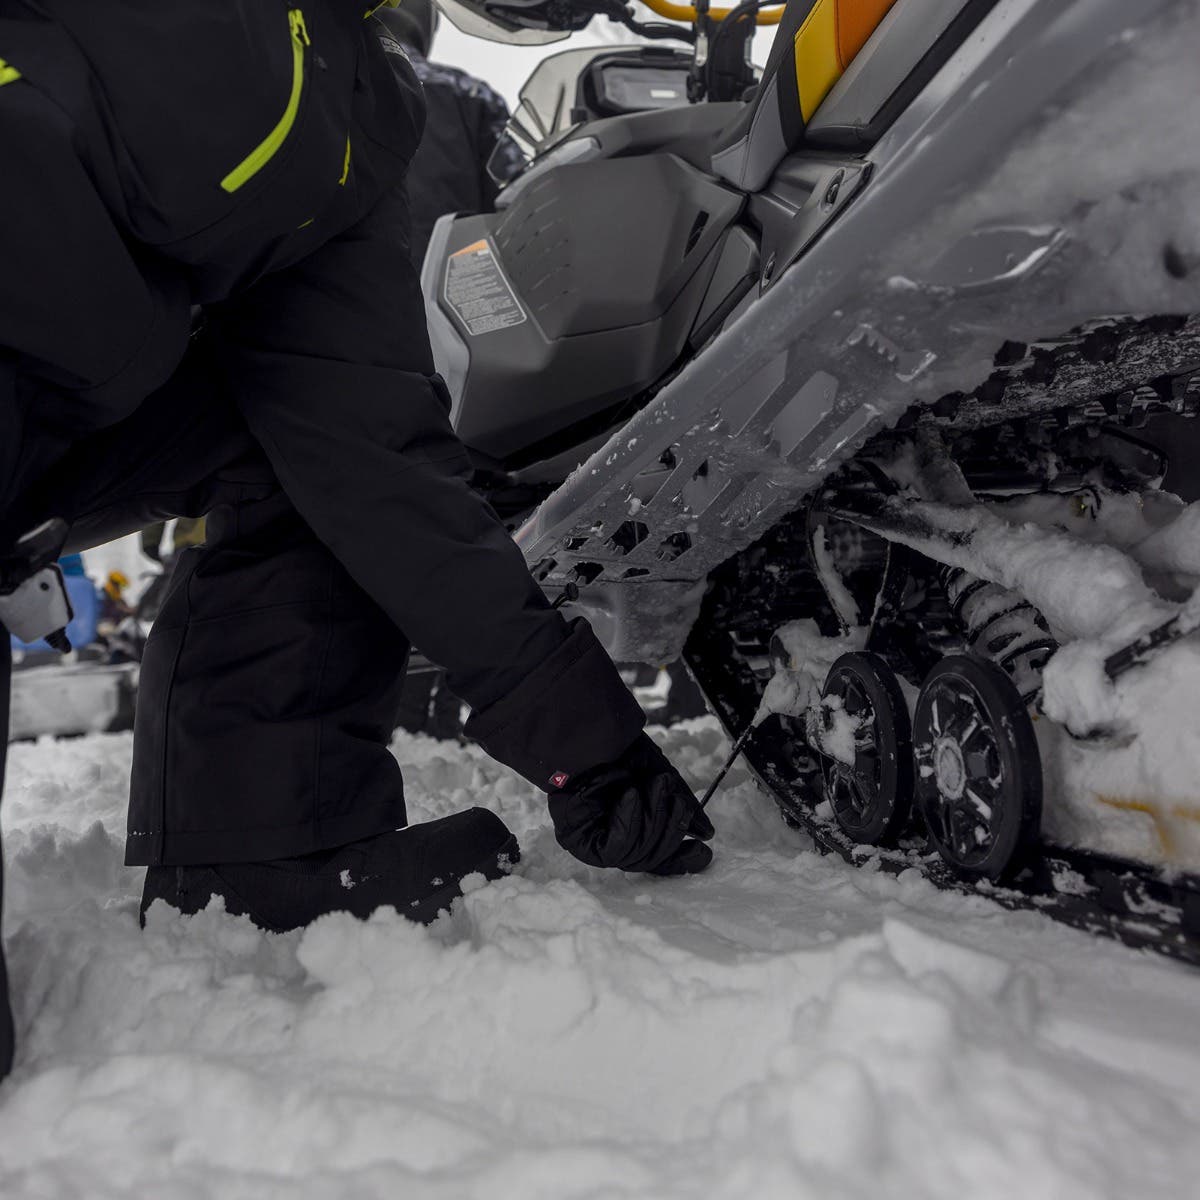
(806, 195)
(688, 131)
(451, 356)
(611, 295)
(901, 40)
(748, 163)
(736, 270)
(578, 150)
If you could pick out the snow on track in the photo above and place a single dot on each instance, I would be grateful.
(784, 1026)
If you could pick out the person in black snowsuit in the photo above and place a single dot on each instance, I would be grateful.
(464, 124)
(245, 160)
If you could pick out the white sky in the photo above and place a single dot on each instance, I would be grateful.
(507, 67)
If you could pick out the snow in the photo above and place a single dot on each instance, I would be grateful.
(1123, 780)
(1092, 168)
(805, 656)
(784, 1026)
(1136, 790)
(835, 732)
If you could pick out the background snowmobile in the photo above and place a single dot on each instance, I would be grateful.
(86, 681)
(852, 368)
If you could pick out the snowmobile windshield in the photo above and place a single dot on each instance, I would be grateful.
(544, 112)
(547, 99)
(515, 22)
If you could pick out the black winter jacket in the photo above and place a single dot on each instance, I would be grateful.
(464, 123)
(248, 156)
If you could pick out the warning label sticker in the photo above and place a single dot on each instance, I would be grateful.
(478, 292)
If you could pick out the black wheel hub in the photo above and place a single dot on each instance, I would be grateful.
(978, 773)
(866, 763)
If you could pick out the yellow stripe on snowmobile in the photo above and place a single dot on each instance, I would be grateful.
(8, 74)
(383, 4)
(269, 146)
(345, 165)
(827, 43)
(1161, 821)
(816, 55)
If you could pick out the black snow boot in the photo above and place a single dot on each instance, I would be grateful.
(417, 870)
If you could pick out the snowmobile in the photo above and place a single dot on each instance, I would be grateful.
(848, 382)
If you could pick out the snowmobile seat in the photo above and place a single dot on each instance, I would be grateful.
(834, 71)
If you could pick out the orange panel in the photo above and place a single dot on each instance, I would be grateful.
(856, 21)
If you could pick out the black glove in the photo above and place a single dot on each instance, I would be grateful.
(635, 813)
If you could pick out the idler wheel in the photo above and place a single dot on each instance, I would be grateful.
(978, 782)
(867, 749)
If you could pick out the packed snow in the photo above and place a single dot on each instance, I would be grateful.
(784, 1026)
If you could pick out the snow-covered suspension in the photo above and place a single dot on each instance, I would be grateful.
(1026, 318)
(1001, 625)
(952, 559)
(973, 779)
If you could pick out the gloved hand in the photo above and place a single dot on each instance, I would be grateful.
(635, 813)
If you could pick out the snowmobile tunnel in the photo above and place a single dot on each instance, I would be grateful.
(832, 76)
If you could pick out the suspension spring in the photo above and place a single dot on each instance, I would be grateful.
(1001, 625)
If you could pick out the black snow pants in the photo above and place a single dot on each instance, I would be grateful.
(271, 679)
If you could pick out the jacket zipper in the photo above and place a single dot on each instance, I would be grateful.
(269, 146)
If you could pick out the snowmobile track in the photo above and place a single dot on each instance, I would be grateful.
(1138, 905)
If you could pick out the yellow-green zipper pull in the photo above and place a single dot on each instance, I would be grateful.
(298, 28)
(267, 148)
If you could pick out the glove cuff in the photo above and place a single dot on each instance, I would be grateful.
(569, 714)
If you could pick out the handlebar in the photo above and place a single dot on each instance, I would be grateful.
(685, 12)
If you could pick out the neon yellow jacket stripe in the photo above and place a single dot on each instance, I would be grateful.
(269, 146)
